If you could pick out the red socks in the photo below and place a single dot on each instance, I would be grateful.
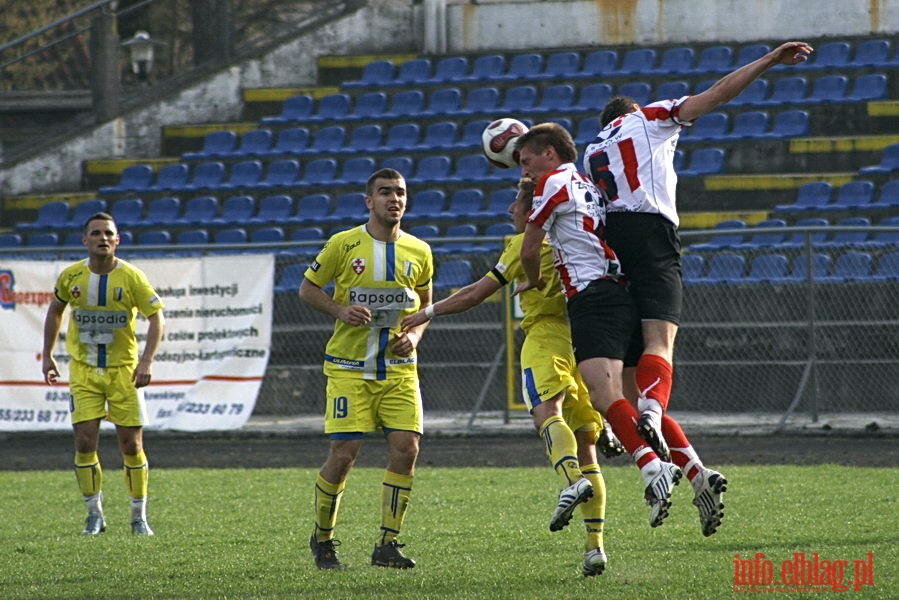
(654, 378)
(623, 419)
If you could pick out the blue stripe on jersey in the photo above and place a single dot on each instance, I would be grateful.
(101, 356)
(101, 290)
(391, 261)
(381, 363)
(530, 387)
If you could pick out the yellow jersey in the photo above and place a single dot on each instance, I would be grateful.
(104, 307)
(382, 276)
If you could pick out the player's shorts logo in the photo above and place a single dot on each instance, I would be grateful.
(359, 265)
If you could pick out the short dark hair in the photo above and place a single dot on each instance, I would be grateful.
(552, 134)
(100, 216)
(386, 173)
(615, 107)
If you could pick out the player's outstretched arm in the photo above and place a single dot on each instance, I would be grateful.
(463, 299)
(729, 87)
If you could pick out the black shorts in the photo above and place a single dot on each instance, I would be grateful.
(648, 247)
(603, 321)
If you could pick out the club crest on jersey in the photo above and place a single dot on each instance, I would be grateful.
(76, 291)
(359, 265)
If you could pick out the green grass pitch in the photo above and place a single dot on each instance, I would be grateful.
(476, 533)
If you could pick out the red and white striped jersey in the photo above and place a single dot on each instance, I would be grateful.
(632, 159)
(569, 208)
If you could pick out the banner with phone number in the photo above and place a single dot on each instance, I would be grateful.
(208, 369)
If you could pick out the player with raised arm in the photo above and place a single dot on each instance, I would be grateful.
(551, 386)
(601, 313)
(632, 161)
(105, 373)
(380, 275)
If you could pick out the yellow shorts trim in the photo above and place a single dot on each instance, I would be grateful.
(363, 405)
(106, 393)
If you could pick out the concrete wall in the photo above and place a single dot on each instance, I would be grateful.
(397, 26)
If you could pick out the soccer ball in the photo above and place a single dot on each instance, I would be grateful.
(498, 142)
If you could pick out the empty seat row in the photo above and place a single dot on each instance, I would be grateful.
(771, 233)
(753, 124)
(608, 63)
(889, 162)
(820, 196)
(730, 268)
(564, 98)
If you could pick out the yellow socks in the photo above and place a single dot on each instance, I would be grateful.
(594, 509)
(395, 493)
(327, 501)
(561, 448)
(88, 473)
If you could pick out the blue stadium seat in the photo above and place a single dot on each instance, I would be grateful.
(320, 171)
(853, 195)
(402, 136)
(313, 208)
(233, 235)
(127, 212)
(83, 210)
(135, 178)
(51, 215)
(426, 204)
(829, 88)
(162, 212)
(403, 164)
(498, 202)
(849, 238)
(756, 93)
(592, 98)
(282, 174)
(375, 73)
(555, 99)
(748, 53)
(365, 138)
(443, 101)
(638, 90)
(888, 197)
(472, 168)
(424, 232)
(257, 142)
(154, 237)
(267, 235)
(519, 99)
(355, 171)
(735, 228)
(678, 160)
(349, 207)
(809, 196)
(413, 72)
(638, 61)
(597, 64)
(293, 140)
(328, 139)
(850, 267)
(369, 105)
(439, 135)
(500, 230)
(461, 230)
(330, 108)
(671, 90)
(464, 203)
(560, 65)
(306, 234)
(830, 55)
(215, 145)
(821, 265)
(871, 53)
(14, 240)
(801, 239)
(693, 266)
(751, 124)
(760, 240)
(774, 268)
(244, 175)
(870, 86)
(206, 176)
(295, 109)
(788, 90)
(888, 239)
(43, 240)
(713, 60)
(450, 70)
(471, 133)
(170, 177)
(587, 130)
(704, 161)
(431, 169)
(888, 267)
(889, 162)
(200, 210)
(480, 100)
(524, 66)
(488, 67)
(277, 208)
(405, 103)
(675, 61)
(290, 278)
(192, 237)
(789, 124)
(236, 210)
(453, 274)
(727, 267)
(710, 126)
